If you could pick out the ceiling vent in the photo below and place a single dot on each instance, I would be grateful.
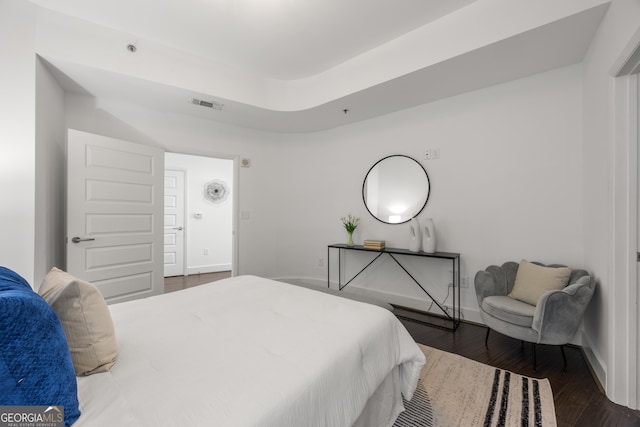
(208, 104)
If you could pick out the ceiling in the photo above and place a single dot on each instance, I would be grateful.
(282, 39)
(326, 43)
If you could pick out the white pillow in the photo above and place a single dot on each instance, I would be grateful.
(533, 280)
(86, 321)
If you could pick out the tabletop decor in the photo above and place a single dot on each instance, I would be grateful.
(373, 244)
(350, 224)
(428, 236)
(415, 235)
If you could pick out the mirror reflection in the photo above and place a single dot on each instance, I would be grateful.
(396, 189)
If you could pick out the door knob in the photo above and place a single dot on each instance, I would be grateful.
(177, 228)
(78, 240)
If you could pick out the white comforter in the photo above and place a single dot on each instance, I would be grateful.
(247, 351)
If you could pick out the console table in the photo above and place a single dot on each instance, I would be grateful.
(394, 254)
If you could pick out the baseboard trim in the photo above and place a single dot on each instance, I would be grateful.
(597, 369)
(305, 280)
(468, 314)
(587, 359)
(201, 269)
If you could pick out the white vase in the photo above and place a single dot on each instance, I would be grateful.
(428, 236)
(415, 237)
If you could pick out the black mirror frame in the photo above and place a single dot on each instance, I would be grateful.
(364, 200)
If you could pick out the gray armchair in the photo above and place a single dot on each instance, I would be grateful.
(553, 320)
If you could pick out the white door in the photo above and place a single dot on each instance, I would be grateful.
(115, 215)
(173, 223)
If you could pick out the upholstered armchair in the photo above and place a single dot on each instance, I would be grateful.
(538, 304)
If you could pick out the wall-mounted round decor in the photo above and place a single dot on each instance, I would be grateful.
(216, 191)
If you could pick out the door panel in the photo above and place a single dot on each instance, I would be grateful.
(132, 286)
(122, 224)
(174, 222)
(114, 206)
(119, 160)
(100, 191)
(127, 255)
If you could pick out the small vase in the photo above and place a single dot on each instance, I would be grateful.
(415, 238)
(350, 239)
(429, 236)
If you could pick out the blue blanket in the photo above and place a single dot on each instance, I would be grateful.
(35, 363)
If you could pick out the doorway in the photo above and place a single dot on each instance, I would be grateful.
(199, 215)
(174, 233)
(622, 376)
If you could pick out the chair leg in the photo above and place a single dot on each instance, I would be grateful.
(564, 360)
(486, 338)
(535, 366)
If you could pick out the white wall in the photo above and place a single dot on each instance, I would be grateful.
(17, 136)
(50, 161)
(507, 186)
(213, 231)
(605, 324)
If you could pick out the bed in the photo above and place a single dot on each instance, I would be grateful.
(249, 351)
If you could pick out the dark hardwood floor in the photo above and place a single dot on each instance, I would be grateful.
(578, 399)
(176, 283)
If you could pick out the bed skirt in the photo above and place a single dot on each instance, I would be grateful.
(385, 405)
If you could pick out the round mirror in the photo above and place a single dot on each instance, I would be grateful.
(396, 189)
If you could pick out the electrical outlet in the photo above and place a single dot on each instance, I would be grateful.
(320, 262)
(464, 282)
(206, 251)
(432, 153)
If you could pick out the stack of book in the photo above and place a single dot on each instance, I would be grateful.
(373, 244)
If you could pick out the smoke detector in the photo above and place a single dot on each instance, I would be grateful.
(208, 104)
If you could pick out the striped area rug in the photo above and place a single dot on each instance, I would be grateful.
(456, 391)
